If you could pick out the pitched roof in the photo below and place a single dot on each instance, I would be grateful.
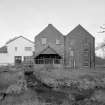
(79, 28)
(47, 50)
(11, 40)
(3, 49)
(50, 28)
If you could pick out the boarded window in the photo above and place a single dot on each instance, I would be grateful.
(72, 42)
(85, 56)
(57, 41)
(44, 41)
(71, 53)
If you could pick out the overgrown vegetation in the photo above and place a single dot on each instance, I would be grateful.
(46, 88)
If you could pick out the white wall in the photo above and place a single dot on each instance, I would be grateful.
(20, 43)
(4, 58)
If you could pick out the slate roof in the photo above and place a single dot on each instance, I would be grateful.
(80, 28)
(3, 49)
(17, 38)
(50, 30)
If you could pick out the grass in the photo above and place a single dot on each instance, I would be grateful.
(70, 73)
(10, 77)
(29, 95)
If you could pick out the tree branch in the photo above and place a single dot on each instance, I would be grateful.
(101, 32)
(102, 27)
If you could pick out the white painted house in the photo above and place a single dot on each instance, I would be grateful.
(16, 50)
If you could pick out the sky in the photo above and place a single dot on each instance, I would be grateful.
(29, 17)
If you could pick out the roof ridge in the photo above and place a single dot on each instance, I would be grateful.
(46, 49)
(50, 26)
(79, 26)
(17, 38)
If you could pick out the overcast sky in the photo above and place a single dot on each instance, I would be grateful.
(29, 17)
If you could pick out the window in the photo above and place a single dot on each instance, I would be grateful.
(28, 48)
(18, 59)
(71, 52)
(44, 41)
(72, 42)
(57, 41)
(16, 48)
(27, 58)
